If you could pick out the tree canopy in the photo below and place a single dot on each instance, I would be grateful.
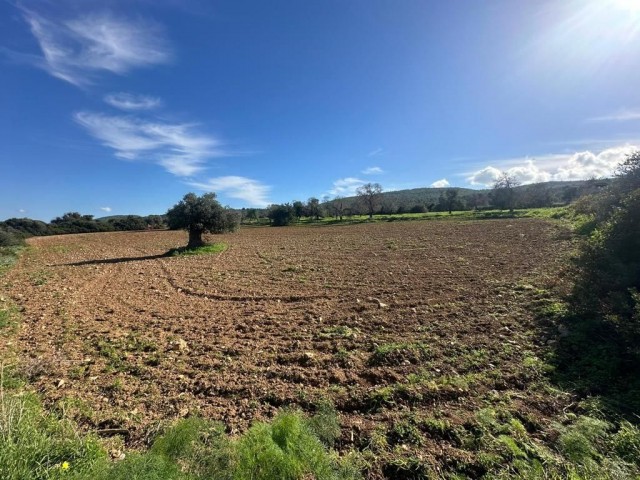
(199, 215)
(369, 195)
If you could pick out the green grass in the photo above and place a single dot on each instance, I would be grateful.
(204, 250)
(399, 353)
(37, 445)
(555, 213)
(9, 318)
(8, 256)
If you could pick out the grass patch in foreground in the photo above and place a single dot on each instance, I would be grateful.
(35, 444)
(204, 250)
(8, 256)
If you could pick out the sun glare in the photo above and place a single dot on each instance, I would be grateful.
(628, 5)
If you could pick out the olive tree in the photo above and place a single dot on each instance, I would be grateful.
(370, 194)
(199, 215)
(503, 193)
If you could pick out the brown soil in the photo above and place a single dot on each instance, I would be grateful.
(286, 316)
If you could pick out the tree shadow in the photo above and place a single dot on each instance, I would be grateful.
(590, 358)
(115, 260)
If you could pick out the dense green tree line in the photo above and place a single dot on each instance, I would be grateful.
(14, 230)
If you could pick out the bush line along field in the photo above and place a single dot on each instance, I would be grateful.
(435, 342)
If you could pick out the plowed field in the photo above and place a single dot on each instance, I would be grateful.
(389, 321)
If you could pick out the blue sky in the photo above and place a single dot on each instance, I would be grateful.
(122, 107)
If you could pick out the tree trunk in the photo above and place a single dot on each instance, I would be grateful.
(195, 239)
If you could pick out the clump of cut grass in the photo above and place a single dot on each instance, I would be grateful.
(204, 250)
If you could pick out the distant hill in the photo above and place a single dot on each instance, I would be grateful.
(532, 195)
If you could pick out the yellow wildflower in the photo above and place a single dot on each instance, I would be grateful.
(65, 466)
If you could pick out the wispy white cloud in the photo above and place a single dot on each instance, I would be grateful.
(624, 115)
(76, 50)
(375, 153)
(346, 187)
(177, 147)
(571, 166)
(22, 210)
(105, 209)
(372, 171)
(132, 102)
(252, 191)
(442, 183)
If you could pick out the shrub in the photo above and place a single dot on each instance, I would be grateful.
(282, 215)
(10, 238)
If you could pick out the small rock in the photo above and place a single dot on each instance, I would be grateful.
(179, 345)
(117, 454)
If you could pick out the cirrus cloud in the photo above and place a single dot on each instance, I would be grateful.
(624, 115)
(372, 171)
(76, 50)
(177, 147)
(132, 102)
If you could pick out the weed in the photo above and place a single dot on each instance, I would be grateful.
(292, 268)
(36, 445)
(399, 353)
(8, 319)
(324, 424)
(343, 357)
(39, 278)
(341, 331)
(406, 432)
(582, 440)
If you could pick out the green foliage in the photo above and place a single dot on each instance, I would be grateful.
(582, 441)
(286, 449)
(282, 215)
(35, 445)
(10, 238)
(8, 256)
(324, 424)
(26, 226)
(626, 442)
(74, 222)
(601, 355)
(199, 215)
(128, 222)
(398, 353)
